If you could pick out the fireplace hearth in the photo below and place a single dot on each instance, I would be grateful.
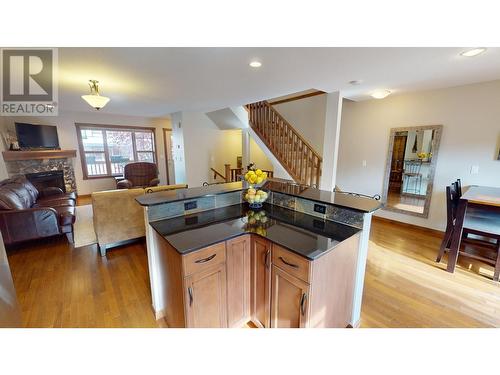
(46, 179)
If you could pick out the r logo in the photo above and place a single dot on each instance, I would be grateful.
(27, 75)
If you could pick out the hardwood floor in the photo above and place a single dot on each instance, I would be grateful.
(405, 287)
(59, 286)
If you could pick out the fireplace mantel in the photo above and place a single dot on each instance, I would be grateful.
(38, 155)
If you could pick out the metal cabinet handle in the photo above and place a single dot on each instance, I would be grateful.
(190, 291)
(204, 260)
(302, 304)
(288, 264)
(266, 261)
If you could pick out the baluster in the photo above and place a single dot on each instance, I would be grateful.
(294, 167)
(308, 167)
(268, 128)
(260, 118)
(273, 130)
(318, 176)
(301, 159)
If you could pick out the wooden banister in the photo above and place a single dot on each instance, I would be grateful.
(227, 172)
(234, 174)
(296, 155)
(217, 174)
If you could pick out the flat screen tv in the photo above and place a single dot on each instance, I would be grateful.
(30, 136)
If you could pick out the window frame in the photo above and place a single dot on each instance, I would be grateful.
(103, 127)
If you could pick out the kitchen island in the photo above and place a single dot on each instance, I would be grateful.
(214, 262)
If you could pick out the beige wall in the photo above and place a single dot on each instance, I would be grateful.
(258, 157)
(307, 116)
(66, 130)
(470, 116)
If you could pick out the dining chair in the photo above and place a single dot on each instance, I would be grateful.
(487, 226)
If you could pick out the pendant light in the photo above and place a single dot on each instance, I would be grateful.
(95, 100)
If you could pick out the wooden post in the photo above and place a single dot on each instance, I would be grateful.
(227, 173)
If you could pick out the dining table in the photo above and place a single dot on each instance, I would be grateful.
(482, 199)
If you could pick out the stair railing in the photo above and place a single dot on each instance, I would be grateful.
(296, 155)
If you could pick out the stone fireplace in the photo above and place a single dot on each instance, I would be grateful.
(39, 162)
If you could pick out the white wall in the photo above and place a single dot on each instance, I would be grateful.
(471, 118)
(66, 130)
(307, 116)
(205, 146)
(200, 145)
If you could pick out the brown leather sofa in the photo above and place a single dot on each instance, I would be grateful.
(28, 214)
(139, 175)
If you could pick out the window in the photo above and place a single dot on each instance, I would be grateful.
(105, 149)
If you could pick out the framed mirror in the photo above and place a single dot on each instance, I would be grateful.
(410, 168)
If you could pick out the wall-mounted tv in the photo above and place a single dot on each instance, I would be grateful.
(30, 136)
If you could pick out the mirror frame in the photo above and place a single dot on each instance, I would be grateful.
(435, 152)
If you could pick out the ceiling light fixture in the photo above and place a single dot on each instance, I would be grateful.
(380, 94)
(95, 100)
(356, 82)
(255, 64)
(473, 52)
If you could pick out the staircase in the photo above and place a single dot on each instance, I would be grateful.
(296, 155)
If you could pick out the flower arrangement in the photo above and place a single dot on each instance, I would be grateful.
(255, 197)
(424, 155)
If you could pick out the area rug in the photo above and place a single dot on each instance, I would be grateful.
(83, 228)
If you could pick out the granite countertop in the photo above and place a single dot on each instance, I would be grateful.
(302, 234)
(166, 196)
(321, 196)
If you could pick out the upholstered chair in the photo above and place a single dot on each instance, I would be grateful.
(139, 174)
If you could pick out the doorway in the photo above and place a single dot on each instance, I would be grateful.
(169, 160)
(397, 163)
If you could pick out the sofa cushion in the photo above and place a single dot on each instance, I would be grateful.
(27, 185)
(9, 200)
(15, 196)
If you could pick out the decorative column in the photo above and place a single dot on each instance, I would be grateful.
(331, 140)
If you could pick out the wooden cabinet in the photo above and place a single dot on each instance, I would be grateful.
(251, 279)
(260, 281)
(292, 263)
(290, 300)
(238, 281)
(205, 296)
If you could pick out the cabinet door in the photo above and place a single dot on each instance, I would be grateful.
(205, 298)
(290, 301)
(238, 281)
(261, 282)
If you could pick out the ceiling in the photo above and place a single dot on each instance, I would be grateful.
(154, 82)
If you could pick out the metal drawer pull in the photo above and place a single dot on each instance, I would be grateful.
(302, 304)
(204, 260)
(190, 291)
(268, 253)
(288, 264)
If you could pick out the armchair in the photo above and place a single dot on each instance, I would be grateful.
(139, 175)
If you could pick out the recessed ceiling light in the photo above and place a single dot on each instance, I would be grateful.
(255, 64)
(473, 52)
(356, 82)
(380, 94)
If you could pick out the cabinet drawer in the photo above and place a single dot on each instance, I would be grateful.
(292, 263)
(202, 259)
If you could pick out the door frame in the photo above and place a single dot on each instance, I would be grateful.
(166, 151)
